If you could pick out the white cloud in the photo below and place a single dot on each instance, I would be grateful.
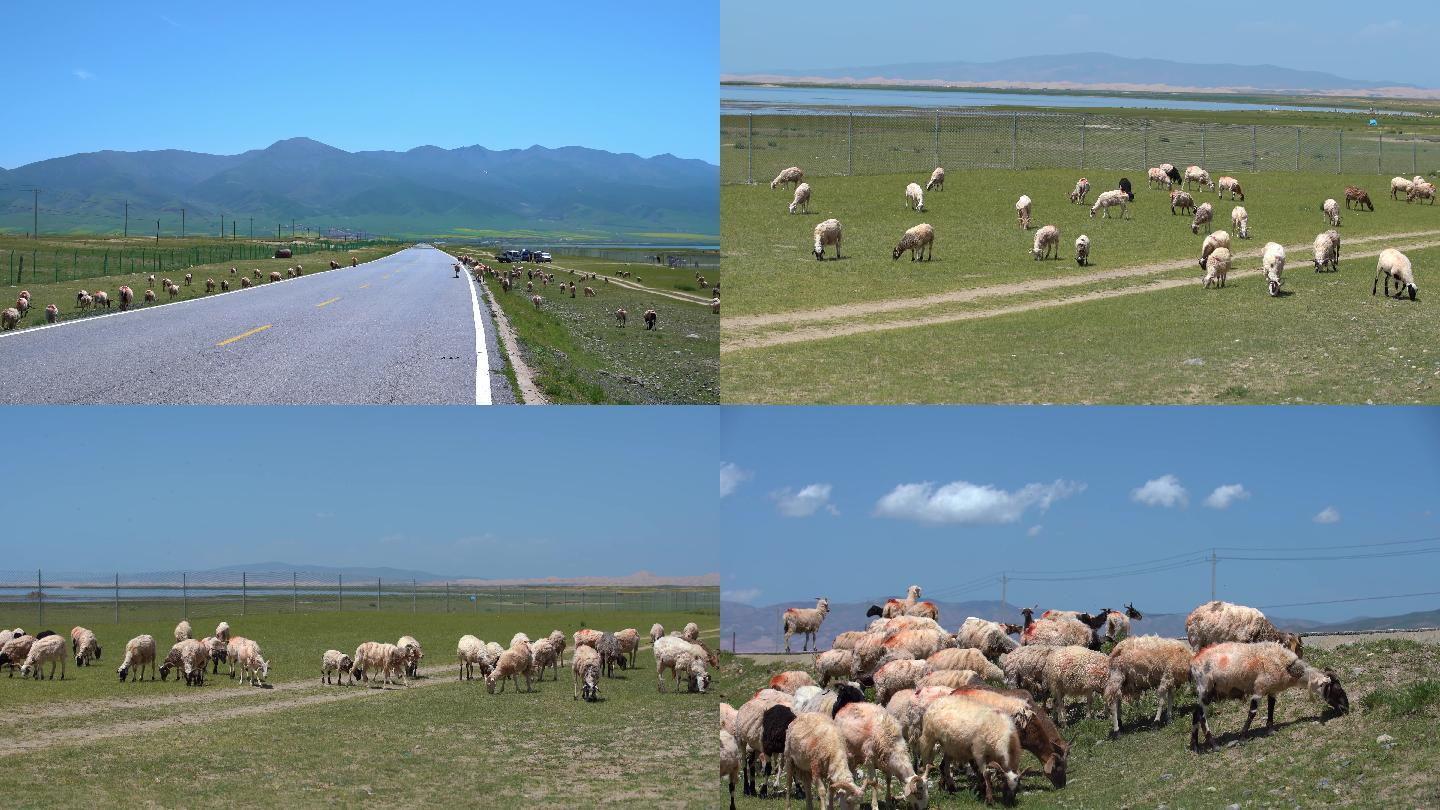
(83, 74)
(1328, 515)
(731, 477)
(806, 502)
(1035, 531)
(1227, 494)
(170, 21)
(1163, 491)
(967, 503)
(747, 595)
(1381, 30)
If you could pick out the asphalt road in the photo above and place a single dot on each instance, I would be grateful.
(398, 330)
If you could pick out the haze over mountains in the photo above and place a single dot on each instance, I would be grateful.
(1098, 71)
(361, 573)
(569, 192)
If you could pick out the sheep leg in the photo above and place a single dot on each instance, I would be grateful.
(1115, 718)
(1269, 714)
(1250, 715)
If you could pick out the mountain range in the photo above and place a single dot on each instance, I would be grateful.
(636, 579)
(758, 628)
(570, 192)
(1094, 71)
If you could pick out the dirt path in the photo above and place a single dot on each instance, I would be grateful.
(731, 342)
(688, 298)
(524, 377)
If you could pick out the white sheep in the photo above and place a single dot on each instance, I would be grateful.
(914, 197)
(84, 646)
(815, 753)
(791, 680)
(513, 663)
(1273, 263)
(897, 675)
(1156, 177)
(1204, 213)
(1217, 268)
(827, 233)
(1230, 184)
(558, 639)
(338, 663)
(413, 654)
(1421, 191)
(691, 632)
(657, 631)
(873, 738)
(669, 652)
(916, 238)
(988, 637)
(182, 631)
(139, 652)
(950, 679)
(1082, 250)
(1198, 176)
(1398, 186)
(470, 652)
(837, 664)
(965, 658)
(1025, 667)
(1218, 239)
(190, 657)
(1081, 191)
(14, 646)
(244, 654)
(377, 657)
(543, 653)
(1327, 250)
(1181, 200)
(1110, 199)
(585, 674)
(1141, 663)
(919, 642)
(802, 199)
(1331, 210)
(805, 621)
(1022, 211)
(1046, 240)
(750, 732)
(1238, 670)
(222, 631)
(790, 176)
(729, 760)
(1074, 672)
(1395, 265)
(47, 650)
(937, 180)
(1216, 621)
(1240, 221)
(967, 732)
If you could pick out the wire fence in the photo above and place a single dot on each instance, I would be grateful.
(51, 596)
(825, 141)
(41, 265)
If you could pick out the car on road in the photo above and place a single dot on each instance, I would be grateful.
(509, 256)
(542, 256)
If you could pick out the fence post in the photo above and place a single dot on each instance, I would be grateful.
(40, 593)
(377, 594)
(1380, 154)
(295, 589)
(937, 136)
(1414, 157)
(414, 598)
(244, 592)
(1254, 150)
(184, 595)
(1297, 149)
(1145, 127)
(1014, 136)
(850, 144)
(1339, 151)
(339, 593)
(1083, 120)
(447, 597)
(117, 598)
(1202, 144)
(750, 148)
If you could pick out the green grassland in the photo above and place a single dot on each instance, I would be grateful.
(1312, 759)
(92, 737)
(579, 353)
(933, 332)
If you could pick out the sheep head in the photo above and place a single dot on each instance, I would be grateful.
(590, 686)
(1132, 612)
(1332, 693)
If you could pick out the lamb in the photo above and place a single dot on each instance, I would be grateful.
(1218, 239)
(897, 675)
(1157, 177)
(1238, 669)
(47, 650)
(1198, 176)
(1022, 211)
(1181, 200)
(340, 664)
(805, 621)
(790, 176)
(1081, 191)
(1230, 184)
(872, 738)
(1082, 250)
(84, 646)
(139, 651)
(802, 199)
(965, 658)
(470, 652)
(1273, 263)
(1358, 197)
(52, 313)
(543, 653)
(1240, 221)
(244, 654)
(1110, 199)
(1074, 672)
(837, 664)
(102, 299)
(189, 657)
(815, 752)
(1421, 191)
(914, 197)
(971, 733)
(918, 237)
(827, 233)
(10, 318)
(1203, 214)
(1331, 211)
(1395, 265)
(1217, 621)
(513, 663)
(1046, 239)
(988, 637)
(209, 285)
(182, 630)
(729, 759)
(790, 681)
(585, 674)
(1142, 663)
(413, 654)
(1398, 186)
(1327, 250)
(1038, 733)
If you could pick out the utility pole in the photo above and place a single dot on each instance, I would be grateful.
(252, 227)
(127, 219)
(157, 230)
(1213, 560)
(1004, 586)
(232, 229)
(182, 223)
(35, 234)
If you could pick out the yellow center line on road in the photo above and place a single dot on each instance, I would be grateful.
(244, 335)
(331, 301)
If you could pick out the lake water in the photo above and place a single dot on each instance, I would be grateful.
(779, 99)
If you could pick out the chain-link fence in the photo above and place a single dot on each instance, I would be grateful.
(51, 597)
(38, 265)
(834, 141)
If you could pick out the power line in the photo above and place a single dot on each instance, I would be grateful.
(1354, 599)
(1328, 548)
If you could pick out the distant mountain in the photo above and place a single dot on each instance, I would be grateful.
(637, 579)
(1077, 70)
(354, 572)
(426, 191)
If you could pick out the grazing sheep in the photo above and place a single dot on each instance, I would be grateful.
(513, 663)
(244, 655)
(413, 654)
(950, 678)
(1218, 239)
(1082, 250)
(651, 318)
(801, 202)
(535, 299)
(815, 752)
(84, 646)
(1181, 200)
(729, 758)
(1273, 263)
(805, 621)
(1217, 621)
(872, 738)
(47, 650)
(897, 675)
(1110, 199)
(671, 652)
(914, 197)
(1203, 214)
(965, 658)
(918, 237)
(470, 652)
(790, 176)
(1240, 221)
(657, 631)
(222, 631)
(586, 637)
(182, 631)
(10, 318)
(1074, 672)
(14, 650)
(209, 285)
(275, 275)
(1238, 670)
(1156, 177)
(1358, 197)
(1327, 250)
(1046, 239)
(621, 316)
(750, 728)
(1141, 663)
(988, 637)
(1022, 211)
(150, 296)
(1198, 176)
(827, 233)
(1038, 733)
(848, 639)
(968, 732)
(102, 299)
(609, 648)
(1124, 185)
(188, 278)
(257, 273)
(173, 289)
(52, 313)
(585, 674)
(919, 642)
(837, 664)
(1395, 265)
(1057, 629)
(1421, 191)
(1398, 186)
(1217, 268)
(139, 651)
(1331, 210)
(791, 680)
(218, 651)
(715, 305)
(557, 638)
(126, 297)
(544, 653)
(1025, 667)
(244, 282)
(1230, 184)
(190, 658)
(1170, 172)
(1081, 191)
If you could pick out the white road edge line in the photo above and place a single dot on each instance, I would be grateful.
(482, 357)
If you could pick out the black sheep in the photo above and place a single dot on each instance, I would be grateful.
(773, 725)
(1125, 187)
(846, 694)
(1173, 174)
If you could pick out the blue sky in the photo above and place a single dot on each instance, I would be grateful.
(858, 503)
(223, 78)
(503, 492)
(759, 35)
